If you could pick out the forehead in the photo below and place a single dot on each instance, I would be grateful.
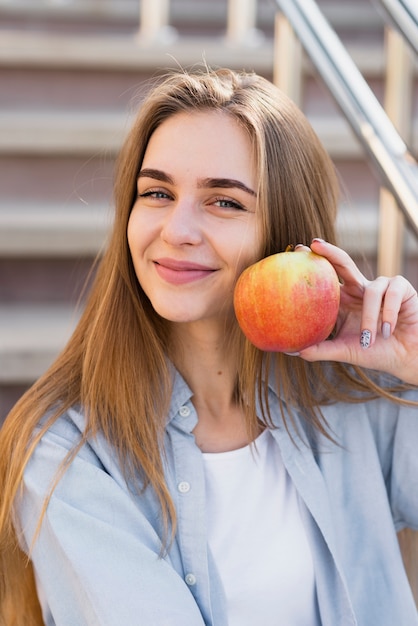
(205, 139)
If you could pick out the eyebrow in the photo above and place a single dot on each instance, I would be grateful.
(205, 183)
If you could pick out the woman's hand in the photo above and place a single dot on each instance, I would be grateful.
(377, 326)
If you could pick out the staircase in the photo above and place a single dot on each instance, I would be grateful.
(71, 73)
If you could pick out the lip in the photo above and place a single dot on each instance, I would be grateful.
(179, 272)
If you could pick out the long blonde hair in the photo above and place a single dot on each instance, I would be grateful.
(115, 365)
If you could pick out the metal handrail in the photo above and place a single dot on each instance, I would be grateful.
(387, 150)
(402, 15)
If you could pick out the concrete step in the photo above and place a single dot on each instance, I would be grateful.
(51, 231)
(59, 133)
(122, 15)
(40, 71)
(85, 133)
(30, 339)
(340, 14)
(41, 279)
(48, 50)
(37, 89)
(19, 48)
(45, 179)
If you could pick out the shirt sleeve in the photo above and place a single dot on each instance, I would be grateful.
(97, 555)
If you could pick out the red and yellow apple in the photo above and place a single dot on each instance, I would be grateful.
(287, 301)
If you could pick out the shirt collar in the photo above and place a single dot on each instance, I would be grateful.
(181, 397)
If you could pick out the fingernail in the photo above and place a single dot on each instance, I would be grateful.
(365, 338)
(318, 239)
(292, 353)
(386, 330)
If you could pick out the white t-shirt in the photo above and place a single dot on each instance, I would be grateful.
(257, 537)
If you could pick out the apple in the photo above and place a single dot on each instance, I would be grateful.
(287, 301)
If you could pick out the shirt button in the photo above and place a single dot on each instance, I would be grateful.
(183, 487)
(190, 579)
(184, 411)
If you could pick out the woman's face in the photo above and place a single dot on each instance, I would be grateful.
(194, 227)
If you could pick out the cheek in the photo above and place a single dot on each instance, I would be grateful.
(132, 229)
(251, 250)
(136, 245)
(130, 235)
(137, 234)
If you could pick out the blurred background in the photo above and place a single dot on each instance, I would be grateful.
(71, 75)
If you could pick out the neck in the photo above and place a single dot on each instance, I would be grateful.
(207, 361)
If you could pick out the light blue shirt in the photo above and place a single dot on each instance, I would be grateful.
(98, 559)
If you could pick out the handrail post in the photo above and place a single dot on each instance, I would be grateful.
(287, 64)
(154, 21)
(398, 97)
(241, 23)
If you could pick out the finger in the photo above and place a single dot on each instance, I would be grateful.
(330, 350)
(344, 265)
(399, 291)
(374, 294)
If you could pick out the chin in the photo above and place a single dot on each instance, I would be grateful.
(175, 316)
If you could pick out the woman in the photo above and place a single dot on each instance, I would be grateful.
(165, 471)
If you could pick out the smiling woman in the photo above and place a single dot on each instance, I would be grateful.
(166, 471)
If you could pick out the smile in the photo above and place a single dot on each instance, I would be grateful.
(181, 272)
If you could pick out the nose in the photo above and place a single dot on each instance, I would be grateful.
(182, 224)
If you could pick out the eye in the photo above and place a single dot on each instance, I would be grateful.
(226, 203)
(158, 195)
